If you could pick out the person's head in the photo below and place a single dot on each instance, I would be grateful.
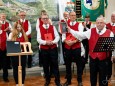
(100, 22)
(87, 18)
(43, 12)
(66, 15)
(2, 16)
(18, 29)
(45, 19)
(22, 15)
(113, 17)
(72, 16)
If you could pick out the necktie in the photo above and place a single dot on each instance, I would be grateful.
(113, 24)
(3, 22)
(72, 23)
(99, 31)
(46, 26)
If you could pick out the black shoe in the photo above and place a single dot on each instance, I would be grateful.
(67, 83)
(6, 80)
(29, 66)
(58, 84)
(47, 83)
(80, 84)
(9, 67)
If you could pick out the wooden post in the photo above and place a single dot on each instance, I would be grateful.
(19, 72)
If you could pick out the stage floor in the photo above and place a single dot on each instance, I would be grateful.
(34, 78)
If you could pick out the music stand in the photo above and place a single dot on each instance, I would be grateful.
(19, 53)
(105, 44)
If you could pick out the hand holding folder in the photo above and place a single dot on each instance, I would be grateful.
(48, 37)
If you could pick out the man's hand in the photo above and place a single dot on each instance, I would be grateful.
(68, 28)
(49, 43)
(84, 25)
(70, 43)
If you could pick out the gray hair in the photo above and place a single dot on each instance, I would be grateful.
(101, 17)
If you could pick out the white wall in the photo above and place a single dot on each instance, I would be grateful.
(109, 10)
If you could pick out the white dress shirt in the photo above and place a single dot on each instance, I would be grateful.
(112, 24)
(87, 34)
(43, 42)
(82, 50)
(29, 27)
(80, 29)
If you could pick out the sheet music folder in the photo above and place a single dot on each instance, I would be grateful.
(64, 27)
(13, 47)
(105, 44)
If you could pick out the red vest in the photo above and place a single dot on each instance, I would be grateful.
(112, 28)
(3, 36)
(76, 45)
(92, 43)
(21, 39)
(25, 26)
(43, 31)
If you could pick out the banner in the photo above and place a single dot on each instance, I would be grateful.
(94, 8)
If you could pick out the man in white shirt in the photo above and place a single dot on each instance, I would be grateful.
(98, 62)
(7, 26)
(72, 50)
(48, 37)
(27, 28)
(5, 29)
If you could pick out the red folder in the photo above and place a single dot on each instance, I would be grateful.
(70, 37)
(48, 37)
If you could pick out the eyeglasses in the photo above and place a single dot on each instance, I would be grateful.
(22, 15)
(72, 15)
(45, 18)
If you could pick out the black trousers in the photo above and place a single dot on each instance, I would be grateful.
(29, 60)
(109, 65)
(76, 54)
(15, 63)
(3, 63)
(97, 66)
(50, 59)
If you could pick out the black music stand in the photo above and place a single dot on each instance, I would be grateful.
(105, 44)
